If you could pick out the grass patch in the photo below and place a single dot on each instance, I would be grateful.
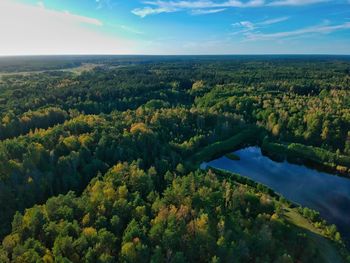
(328, 250)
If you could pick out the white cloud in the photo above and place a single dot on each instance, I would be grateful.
(68, 16)
(183, 4)
(205, 4)
(146, 11)
(247, 26)
(273, 21)
(174, 6)
(295, 2)
(320, 29)
(27, 29)
(207, 11)
(199, 6)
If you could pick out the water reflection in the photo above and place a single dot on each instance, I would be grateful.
(326, 193)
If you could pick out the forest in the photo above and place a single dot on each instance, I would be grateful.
(102, 164)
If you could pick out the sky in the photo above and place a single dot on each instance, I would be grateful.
(45, 27)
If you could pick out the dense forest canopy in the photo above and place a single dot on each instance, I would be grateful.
(100, 163)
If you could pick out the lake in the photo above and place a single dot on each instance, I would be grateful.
(324, 192)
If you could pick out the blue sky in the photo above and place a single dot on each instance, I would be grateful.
(174, 27)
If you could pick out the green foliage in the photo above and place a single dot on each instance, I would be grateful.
(216, 149)
(157, 119)
(319, 157)
(198, 218)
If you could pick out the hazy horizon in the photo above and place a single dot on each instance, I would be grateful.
(176, 55)
(187, 27)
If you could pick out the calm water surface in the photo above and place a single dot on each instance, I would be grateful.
(326, 193)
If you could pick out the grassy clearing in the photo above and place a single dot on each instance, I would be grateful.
(83, 68)
(328, 251)
(75, 70)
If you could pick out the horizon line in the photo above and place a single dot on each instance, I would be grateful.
(176, 55)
